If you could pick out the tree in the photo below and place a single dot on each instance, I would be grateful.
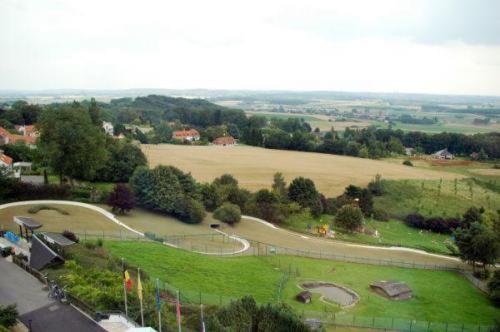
(70, 144)
(228, 213)
(123, 159)
(246, 315)
(472, 215)
(279, 186)
(233, 130)
(121, 199)
(94, 113)
(477, 244)
(265, 205)
(349, 217)
(303, 191)
(494, 288)
(162, 133)
(376, 186)
(168, 190)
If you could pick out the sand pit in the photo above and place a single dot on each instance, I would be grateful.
(333, 293)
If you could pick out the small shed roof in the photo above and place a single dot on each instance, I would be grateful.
(392, 288)
(58, 239)
(42, 255)
(27, 222)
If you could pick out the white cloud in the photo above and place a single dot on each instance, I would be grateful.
(300, 45)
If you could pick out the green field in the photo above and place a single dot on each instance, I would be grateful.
(439, 296)
(424, 196)
(392, 233)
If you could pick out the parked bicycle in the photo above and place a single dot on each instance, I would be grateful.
(56, 292)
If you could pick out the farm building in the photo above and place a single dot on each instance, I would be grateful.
(442, 154)
(187, 135)
(224, 141)
(410, 152)
(393, 290)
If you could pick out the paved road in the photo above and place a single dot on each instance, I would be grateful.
(21, 288)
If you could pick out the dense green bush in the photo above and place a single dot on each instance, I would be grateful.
(8, 315)
(246, 315)
(168, 190)
(435, 224)
(303, 191)
(494, 288)
(14, 190)
(380, 215)
(123, 159)
(407, 163)
(228, 213)
(349, 217)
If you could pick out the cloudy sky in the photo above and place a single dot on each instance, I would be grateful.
(435, 46)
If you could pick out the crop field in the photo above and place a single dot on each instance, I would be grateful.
(439, 296)
(254, 167)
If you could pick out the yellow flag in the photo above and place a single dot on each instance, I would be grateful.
(139, 287)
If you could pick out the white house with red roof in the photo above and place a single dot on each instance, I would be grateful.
(7, 138)
(187, 135)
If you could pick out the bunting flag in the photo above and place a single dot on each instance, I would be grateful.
(179, 317)
(202, 327)
(139, 286)
(128, 281)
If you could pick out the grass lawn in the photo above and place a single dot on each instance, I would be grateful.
(392, 232)
(78, 219)
(439, 296)
(192, 273)
(407, 196)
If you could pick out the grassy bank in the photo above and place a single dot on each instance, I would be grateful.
(439, 296)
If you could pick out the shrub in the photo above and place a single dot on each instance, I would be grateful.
(380, 215)
(35, 209)
(70, 236)
(407, 163)
(349, 218)
(415, 220)
(228, 213)
(100, 243)
(494, 288)
(90, 245)
(376, 186)
(330, 206)
(8, 315)
(121, 199)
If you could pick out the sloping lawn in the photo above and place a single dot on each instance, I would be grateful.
(229, 277)
(439, 296)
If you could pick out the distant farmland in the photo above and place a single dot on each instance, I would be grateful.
(254, 167)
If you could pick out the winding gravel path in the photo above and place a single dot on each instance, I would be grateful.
(111, 217)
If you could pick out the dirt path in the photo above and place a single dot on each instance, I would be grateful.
(258, 230)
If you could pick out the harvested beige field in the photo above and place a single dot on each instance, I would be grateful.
(254, 167)
(486, 171)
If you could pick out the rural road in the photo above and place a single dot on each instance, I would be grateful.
(254, 229)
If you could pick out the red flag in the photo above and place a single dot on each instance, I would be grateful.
(179, 317)
(128, 281)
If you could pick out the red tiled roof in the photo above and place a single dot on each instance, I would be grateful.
(186, 133)
(6, 159)
(226, 140)
(28, 130)
(16, 138)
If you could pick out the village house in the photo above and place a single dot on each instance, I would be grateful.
(187, 135)
(7, 138)
(443, 154)
(5, 162)
(410, 152)
(27, 130)
(224, 141)
(108, 128)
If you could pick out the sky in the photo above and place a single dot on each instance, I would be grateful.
(434, 46)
